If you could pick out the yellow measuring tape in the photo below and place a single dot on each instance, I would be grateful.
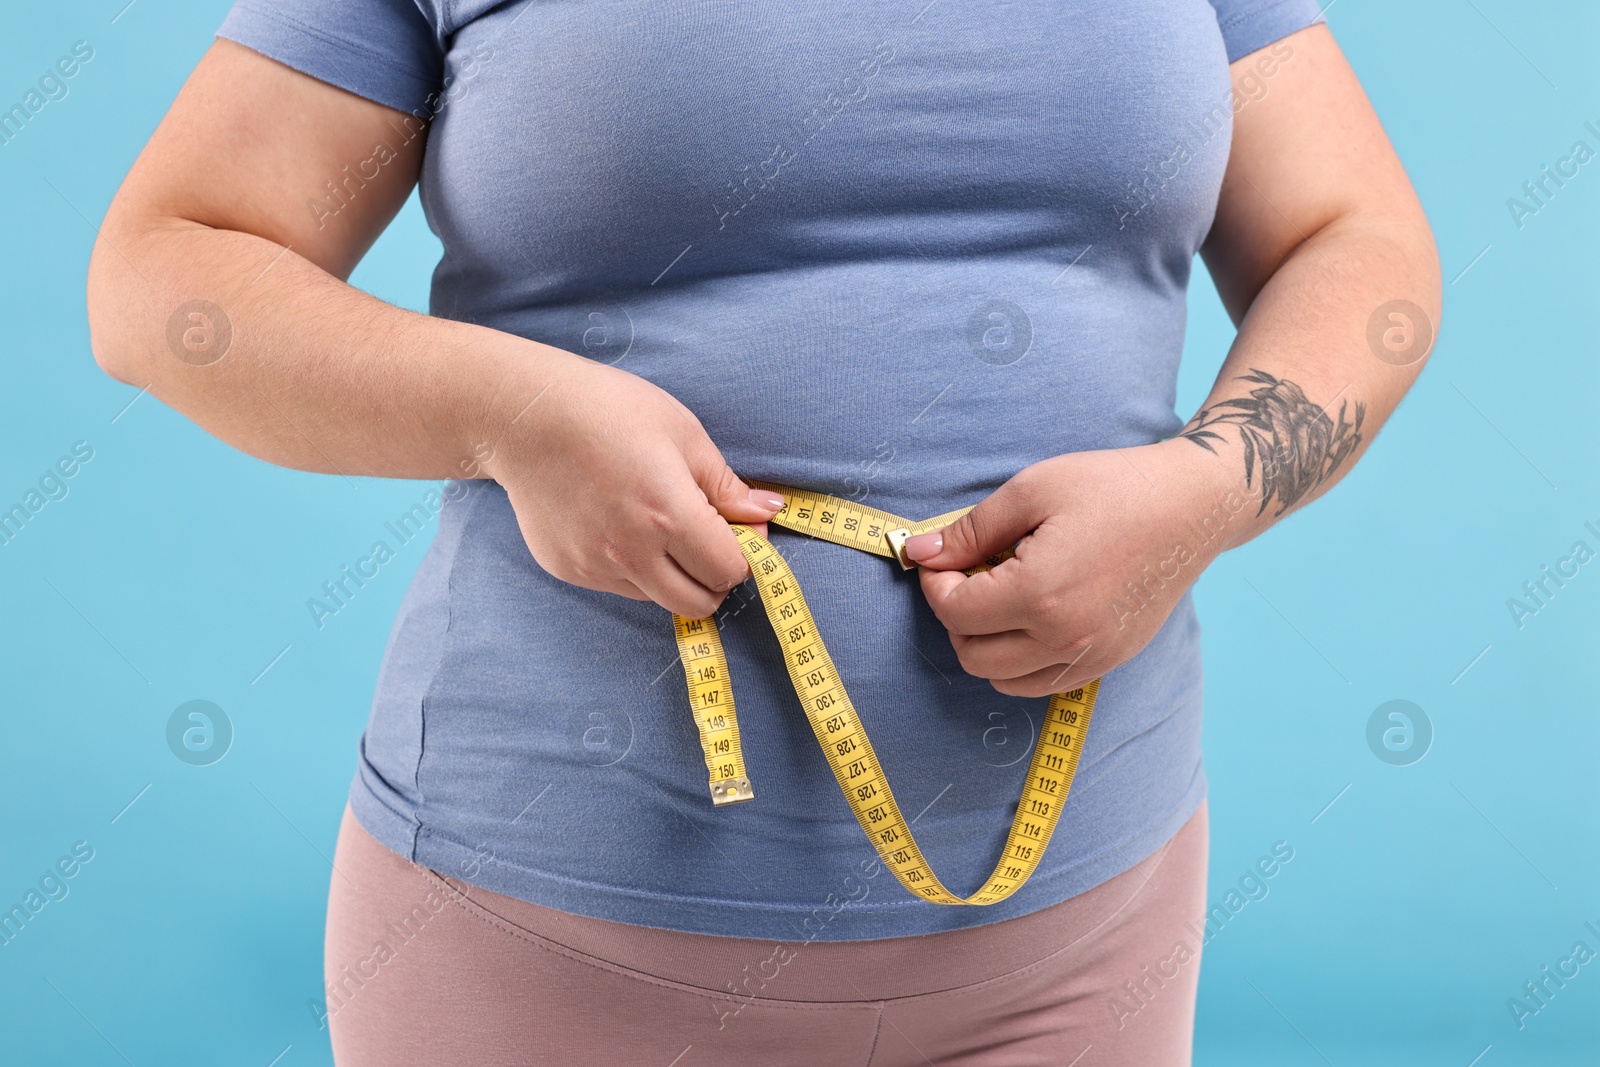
(833, 718)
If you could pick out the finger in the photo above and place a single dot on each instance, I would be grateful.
(1002, 519)
(704, 546)
(629, 590)
(990, 602)
(1056, 678)
(619, 586)
(726, 492)
(1013, 654)
(665, 582)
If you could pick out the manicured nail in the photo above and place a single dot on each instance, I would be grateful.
(925, 546)
(766, 498)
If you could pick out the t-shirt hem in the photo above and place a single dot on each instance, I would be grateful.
(862, 921)
(1261, 24)
(306, 49)
(394, 829)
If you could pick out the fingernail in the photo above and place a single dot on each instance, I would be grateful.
(766, 498)
(925, 546)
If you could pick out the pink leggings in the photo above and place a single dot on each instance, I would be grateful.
(422, 969)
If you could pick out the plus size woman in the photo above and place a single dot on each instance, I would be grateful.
(920, 256)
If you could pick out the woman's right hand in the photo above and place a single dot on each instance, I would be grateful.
(618, 488)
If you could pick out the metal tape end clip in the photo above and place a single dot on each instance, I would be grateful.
(897, 540)
(731, 791)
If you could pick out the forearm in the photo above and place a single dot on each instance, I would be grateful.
(318, 375)
(1303, 391)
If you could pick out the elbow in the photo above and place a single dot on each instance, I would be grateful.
(1421, 250)
(111, 294)
(1424, 278)
(1418, 251)
(1432, 270)
(112, 356)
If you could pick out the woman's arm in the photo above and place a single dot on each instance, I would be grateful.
(321, 376)
(1323, 257)
(318, 375)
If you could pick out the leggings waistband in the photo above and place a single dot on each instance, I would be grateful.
(802, 970)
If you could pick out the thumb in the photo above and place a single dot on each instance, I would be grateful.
(1002, 519)
(733, 499)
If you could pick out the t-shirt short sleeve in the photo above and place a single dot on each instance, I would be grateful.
(384, 50)
(1248, 25)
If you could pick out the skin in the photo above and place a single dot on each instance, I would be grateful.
(1317, 226)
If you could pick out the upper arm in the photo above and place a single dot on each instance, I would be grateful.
(1308, 153)
(255, 146)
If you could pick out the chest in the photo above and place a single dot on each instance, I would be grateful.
(802, 131)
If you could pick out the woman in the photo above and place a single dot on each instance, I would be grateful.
(918, 256)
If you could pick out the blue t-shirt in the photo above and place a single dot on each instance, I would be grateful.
(893, 251)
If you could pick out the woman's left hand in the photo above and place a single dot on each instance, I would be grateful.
(1106, 543)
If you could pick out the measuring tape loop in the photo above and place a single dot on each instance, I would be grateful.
(833, 717)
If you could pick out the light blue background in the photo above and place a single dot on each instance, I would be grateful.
(1415, 905)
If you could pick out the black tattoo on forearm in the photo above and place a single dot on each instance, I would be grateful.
(1292, 441)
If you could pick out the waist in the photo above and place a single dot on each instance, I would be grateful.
(548, 725)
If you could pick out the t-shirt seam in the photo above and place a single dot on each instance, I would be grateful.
(1238, 18)
(474, 496)
(331, 39)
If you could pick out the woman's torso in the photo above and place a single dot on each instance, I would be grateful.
(894, 252)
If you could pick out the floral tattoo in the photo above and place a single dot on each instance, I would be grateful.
(1292, 441)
